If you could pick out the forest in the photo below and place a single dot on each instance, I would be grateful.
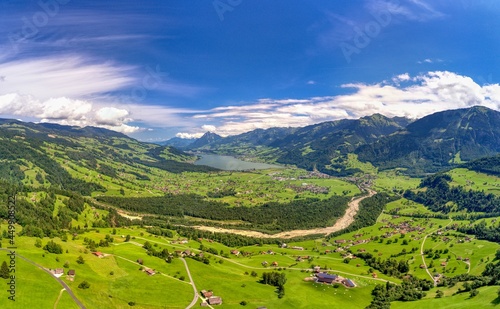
(307, 213)
(441, 197)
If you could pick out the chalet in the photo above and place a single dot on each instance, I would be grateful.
(150, 272)
(204, 304)
(207, 294)
(270, 251)
(297, 248)
(374, 275)
(348, 283)
(98, 254)
(71, 272)
(422, 266)
(443, 264)
(459, 258)
(58, 272)
(214, 300)
(340, 241)
(264, 263)
(274, 263)
(235, 252)
(317, 269)
(325, 278)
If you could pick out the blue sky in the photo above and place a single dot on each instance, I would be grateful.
(158, 69)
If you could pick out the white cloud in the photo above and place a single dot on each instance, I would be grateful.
(67, 111)
(68, 76)
(208, 128)
(419, 96)
(189, 135)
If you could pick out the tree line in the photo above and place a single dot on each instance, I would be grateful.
(271, 216)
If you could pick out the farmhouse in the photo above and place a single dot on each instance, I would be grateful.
(235, 252)
(274, 263)
(71, 272)
(58, 272)
(207, 294)
(325, 278)
(149, 271)
(348, 283)
(98, 254)
(214, 300)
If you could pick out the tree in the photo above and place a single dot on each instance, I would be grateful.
(439, 294)
(38, 243)
(474, 293)
(4, 270)
(497, 254)
(80, 260)
(127, 238)
(84, 285)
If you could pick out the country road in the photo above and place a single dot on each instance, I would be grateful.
(422, 253)
(64, 285)
(196, 296)
(341, 223)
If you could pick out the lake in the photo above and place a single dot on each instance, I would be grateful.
(229, 163)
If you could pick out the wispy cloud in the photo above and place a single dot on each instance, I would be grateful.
(413, 10)
(69, 76)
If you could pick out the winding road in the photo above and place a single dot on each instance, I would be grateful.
(64, 285)
(341, 223)
(422, 253)
(196, 296)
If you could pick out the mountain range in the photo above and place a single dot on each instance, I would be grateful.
(65, 155)
(420, 146)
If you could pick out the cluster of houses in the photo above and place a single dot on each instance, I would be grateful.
(179, 241)
(265, 264)
(326, 278)
(310, 187)
(210, 299)
(401, 228)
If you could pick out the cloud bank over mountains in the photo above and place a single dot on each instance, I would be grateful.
(72, 93)
(403, 96)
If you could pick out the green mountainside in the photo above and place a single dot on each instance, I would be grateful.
(437, 141)
(43, 154)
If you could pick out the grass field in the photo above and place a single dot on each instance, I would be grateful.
(487, 298)
(475, 181)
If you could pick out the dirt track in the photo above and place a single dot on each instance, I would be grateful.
(341, 223)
